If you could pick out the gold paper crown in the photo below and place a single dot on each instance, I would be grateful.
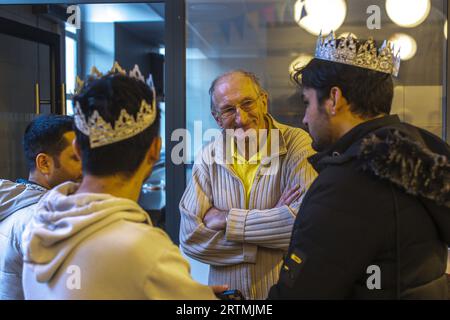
(366, 56)
(101, 132)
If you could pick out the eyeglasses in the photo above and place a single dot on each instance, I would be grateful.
(247, 105)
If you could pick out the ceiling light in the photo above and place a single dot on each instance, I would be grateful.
(408, 13)
(320, 15)
(406, 44)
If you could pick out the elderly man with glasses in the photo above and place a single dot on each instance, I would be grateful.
(247, 186)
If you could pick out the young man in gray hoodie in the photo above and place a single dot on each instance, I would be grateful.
(51, 160)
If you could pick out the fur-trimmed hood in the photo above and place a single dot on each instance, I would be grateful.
(410, 158)
(410, 165)
(418, 164)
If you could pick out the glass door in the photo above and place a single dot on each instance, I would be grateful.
(145, 32)
(27, 85)
(270, 38)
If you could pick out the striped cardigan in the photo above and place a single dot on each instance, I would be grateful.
(248, 255)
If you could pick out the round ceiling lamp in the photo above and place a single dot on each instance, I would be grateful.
(320, 15)
(406, 44)
(408, 13)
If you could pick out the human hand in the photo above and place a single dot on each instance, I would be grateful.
(215, 219)
(288, 196)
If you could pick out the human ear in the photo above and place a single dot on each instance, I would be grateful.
(155, 150)
(44, 163)
(337, 100)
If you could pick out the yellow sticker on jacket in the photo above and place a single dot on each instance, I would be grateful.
(296, 258)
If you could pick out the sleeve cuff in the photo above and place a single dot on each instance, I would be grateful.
(236, 225)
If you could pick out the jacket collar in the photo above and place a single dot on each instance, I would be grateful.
(347, 147)
(31, 184)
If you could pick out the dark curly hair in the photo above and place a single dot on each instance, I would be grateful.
(108, 95)
(368, 92)
(45, 134)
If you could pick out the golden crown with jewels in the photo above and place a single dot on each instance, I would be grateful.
(366, 55)
(101, 132)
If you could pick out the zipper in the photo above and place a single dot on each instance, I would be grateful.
(242, 188)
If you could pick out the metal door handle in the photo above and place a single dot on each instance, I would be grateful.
(63, 99)
(37, 99)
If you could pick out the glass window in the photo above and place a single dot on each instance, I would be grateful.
(129, 33)
(71, 70)
(71, 29)
(24, 93)
(269, 38)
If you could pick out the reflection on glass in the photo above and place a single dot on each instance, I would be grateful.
(111, 13)
(265, 38)
(317, 16)
(445, 29)
(408, 13)
(69, 107)
(406, 43)
(70, 28)
(129, 33)
(71, 65)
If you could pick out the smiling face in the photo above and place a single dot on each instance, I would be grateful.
(317, 120)
(238, 104)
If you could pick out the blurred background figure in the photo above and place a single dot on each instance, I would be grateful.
(51, 160)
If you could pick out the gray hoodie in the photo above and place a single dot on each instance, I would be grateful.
(15, 196)
(96, 246)
(17, 202)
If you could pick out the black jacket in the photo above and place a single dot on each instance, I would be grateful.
(381, 200)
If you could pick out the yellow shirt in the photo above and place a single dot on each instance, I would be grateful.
(246, 170)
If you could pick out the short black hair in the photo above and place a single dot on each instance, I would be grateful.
(108, 95)
(368, 92)
(45, 134)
